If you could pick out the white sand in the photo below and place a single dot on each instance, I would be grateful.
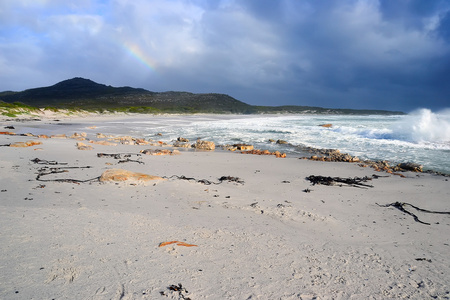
(264, 239)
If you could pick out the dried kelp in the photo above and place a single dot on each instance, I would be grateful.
(47, 171)
(46, 162)
(231, 179)
(327, 180)
(177, 288)
(124, 157)
(208, 182)
(44, 171)
(401, 206)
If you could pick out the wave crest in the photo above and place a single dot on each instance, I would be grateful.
(423, 125)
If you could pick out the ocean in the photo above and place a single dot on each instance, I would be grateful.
(422, 136)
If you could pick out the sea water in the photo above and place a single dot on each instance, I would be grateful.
(422, 136)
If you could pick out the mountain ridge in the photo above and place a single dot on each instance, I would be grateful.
(81, 93)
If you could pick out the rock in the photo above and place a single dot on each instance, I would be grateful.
(7, 133)
(120, 175)
(43, 136)
(355, 159)
(141, 142)
(409, 166)
(59, 136)
(181, 144)
(101, 136)
(156, 152)
(204, 145)
(183, 140)
(279, 155)
(25, 144)
(243, 147)
(265, 152)
(281, 142)
(271, 141)
(229, 148)
(83, 146)
(326, 125)
(104, 143)
(78, 135)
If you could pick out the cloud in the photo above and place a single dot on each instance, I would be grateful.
(352, 53)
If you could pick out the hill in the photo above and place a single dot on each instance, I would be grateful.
(80, 93)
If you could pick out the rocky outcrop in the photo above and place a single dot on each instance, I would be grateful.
(243, 147)
(25, 144)
(79, 136)
(379, 166)
(204, 145)
(265, 152)
(59, 136)
(83, 146)
(181, 144)
(333, 155)
(120, 175)
(281, 142)
(104, 143)
(409, 166)
(160, 152)
(182, 140)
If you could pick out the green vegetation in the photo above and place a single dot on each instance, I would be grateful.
(83, 94)
(14, 109)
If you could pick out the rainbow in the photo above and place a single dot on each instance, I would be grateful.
(136, 51)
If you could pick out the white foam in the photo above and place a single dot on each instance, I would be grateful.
(424, 126)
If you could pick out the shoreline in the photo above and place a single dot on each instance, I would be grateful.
(319, 154)
(264, 231)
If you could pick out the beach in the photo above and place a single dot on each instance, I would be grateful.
(214, 225)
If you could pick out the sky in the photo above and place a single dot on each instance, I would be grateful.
(361, 54)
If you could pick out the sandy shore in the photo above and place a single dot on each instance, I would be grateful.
(272, 236)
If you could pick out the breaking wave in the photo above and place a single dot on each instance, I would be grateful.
(424, 126)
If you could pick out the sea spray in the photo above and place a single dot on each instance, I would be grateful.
(425, 126)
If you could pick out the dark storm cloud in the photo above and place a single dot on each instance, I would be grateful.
(360, 54)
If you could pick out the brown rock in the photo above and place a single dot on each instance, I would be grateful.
(25, 144)
(7, 133)
(243, 147)
(78, 135)
(181, 144)
(281, 142)
(204, 145)
(156, 152)
(120, 175)
(279, 155)
(104, 143)
(141, 142)
(59, 136)
(83, 146)
(326, 125)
